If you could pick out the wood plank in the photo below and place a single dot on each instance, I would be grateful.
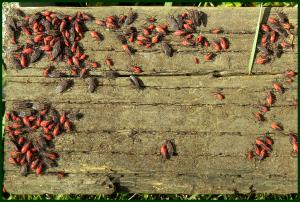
(119, 137)
(241, 19)
(153, 183)
(202, 118)
(179, 90)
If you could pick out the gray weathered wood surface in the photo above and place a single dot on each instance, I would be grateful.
(122, 129)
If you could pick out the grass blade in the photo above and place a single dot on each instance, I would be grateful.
(168, 3)
(251, 60)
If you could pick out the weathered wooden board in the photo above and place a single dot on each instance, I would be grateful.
(118, 138)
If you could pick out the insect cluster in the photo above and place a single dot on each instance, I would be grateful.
(54, 35)
(271, 99)
(261, 148)
(167, 149)
(276, 37)
(29, 150)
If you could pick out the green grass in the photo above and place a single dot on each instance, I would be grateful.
(126, 196)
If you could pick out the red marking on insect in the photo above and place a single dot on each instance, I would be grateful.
(26, 121)
(26, 31)
(259, 116)
(131, 38)
(12, 161)
(62, 118)
(16, 125)
(38, 121)
(200, 39)
(187, 27)
(151, 19)
(66, 42)
(8, 129)
(8, 116)
(96, 35)
(290, 73)
(285, 44)
(151, 27)
(196, 60)
(189, 36)
(164, 151)
(17, 132)
(268, 140)
(31, 118)
(208, 57)
(33, 150)
(276, 126)
(270, 98)
(257, 150)
(45, 123)
(273, 37)
(216, 30)
(264, 38)
(14, 153)
(180, 33)
(28, 155)
(38, 38)
(24, 62)
(74, 72)
(94, 64)
(261, 60)
(67, 126)
(70, 61)
(287, 26)
(50, 126)
(34, 164)
(34, 127)
(46, 48)
(39, 168)
(45, 130)
(277, 87)
(108, 61)
(74, 47)
(127, 49)
(265, 28)
(21, 140)
(146, 32)
(83, 57)
(140, 43)
(136, 69)
(250, 155)
(78, 28)
(27, 50)
(187, 43)
(219, 96)
(51, 155)
(25, 147)
(190, 22)
(272, 20)
(48, 137)
(216, 46)
(224, 43)
(148, 45)
(100, 22)
(75, 61)
(155, 39)
(141, 38)
(46, 13)
(264, 109)
(15, 118)
(206, 44)
(161, 29)
(83, 72)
